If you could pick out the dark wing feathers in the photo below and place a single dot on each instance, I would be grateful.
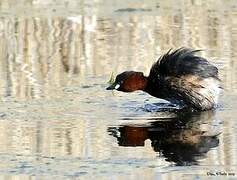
(182, 61)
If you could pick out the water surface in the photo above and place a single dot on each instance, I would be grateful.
(57, 119)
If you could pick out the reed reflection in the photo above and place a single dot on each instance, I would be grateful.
(183, 140)
(41, 53)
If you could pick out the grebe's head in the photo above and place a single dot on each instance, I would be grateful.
(129, 81)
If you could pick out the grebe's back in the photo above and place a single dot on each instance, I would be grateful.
(183, 76)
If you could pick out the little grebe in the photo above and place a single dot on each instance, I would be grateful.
(178, 75)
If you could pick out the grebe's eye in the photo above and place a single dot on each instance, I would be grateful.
(117, 86)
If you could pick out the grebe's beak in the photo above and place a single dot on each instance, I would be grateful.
(113, 86)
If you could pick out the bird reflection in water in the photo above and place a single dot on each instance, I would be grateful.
(182, 140)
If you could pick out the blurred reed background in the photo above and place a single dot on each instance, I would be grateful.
(40, 52)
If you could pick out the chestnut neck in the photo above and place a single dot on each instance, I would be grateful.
(137, 81)
(143, 83)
